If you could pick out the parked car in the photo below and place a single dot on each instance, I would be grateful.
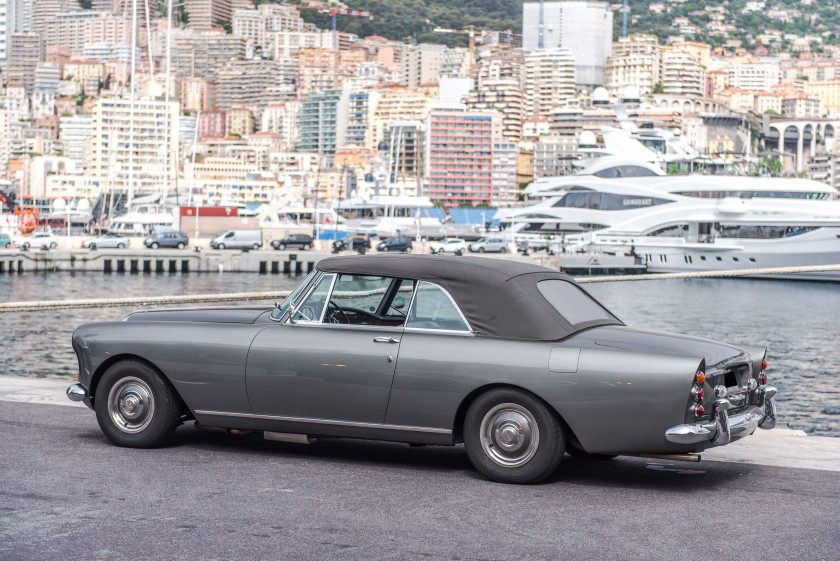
(489, 244)
(299, 241)
(5, 240)
(238, 239)
(167, 239)
(107, 240)
(448, 245)
(397, 243)
(42, 240)
(516, 361)
(353, 243)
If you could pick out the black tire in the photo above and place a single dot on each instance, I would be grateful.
(120, 245)
(307, 247)
(53, 245)
(92, 246)
(582, 455)
(8, 245)
(155, 245)
(481, 250)
(281, 246)
(256, 246)
(25, 247)
(220, 246)
(181, 245)
(535, 454)
(136, 406)
(503, 250)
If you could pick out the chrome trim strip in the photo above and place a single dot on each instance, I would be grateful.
(326, 422)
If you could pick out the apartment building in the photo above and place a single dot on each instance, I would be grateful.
(459, 154)
(252, 84)
(504, 96)
(205, 53)
(421, 64)
(682, 74)
(111, 141)
(69, 29)
(549, 80)
(390, 103)
(197, 94)
(206, 14)
(26, 50)
(260, 24)
(756, 77)
(321, 125)
(282, 119)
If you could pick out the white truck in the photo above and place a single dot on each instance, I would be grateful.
(238, 239)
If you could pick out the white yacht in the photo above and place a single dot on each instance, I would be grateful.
(690, 223)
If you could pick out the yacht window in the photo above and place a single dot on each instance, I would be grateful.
(625, 171)
(433, 308)
(607, 201)
(673, 231)
(571, 302)
(763, 232)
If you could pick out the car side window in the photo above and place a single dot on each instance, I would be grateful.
(433, 308)
(368, 300)
(311, 309)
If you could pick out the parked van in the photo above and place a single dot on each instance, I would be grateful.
(5, 241)
(238, 239)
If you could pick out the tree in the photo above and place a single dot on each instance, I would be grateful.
(658, 88)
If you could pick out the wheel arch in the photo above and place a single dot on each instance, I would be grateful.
(461, 412)
(110, 361)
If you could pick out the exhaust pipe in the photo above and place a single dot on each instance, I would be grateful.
(677, 457)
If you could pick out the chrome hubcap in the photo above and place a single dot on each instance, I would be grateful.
(131, 405)
(509, 435)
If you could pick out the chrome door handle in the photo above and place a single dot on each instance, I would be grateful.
(385, 340)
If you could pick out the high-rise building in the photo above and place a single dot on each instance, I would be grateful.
(459, 154)
(585, 27)
(421, 64)
(756, 77)
(26, 50)
(11, 21)
(681, 74)
(504, 96)
(206, 14)
(69, 29)
(204, 53)
(111, 143)
(197, 94)
(252, 84)
(47, 76)
(260, 24)
(73, 131)
(391, 103)
(635, 61)
(320, 123)
(549, 80)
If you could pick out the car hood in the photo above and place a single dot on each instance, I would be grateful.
(207, 315)
(657, 342)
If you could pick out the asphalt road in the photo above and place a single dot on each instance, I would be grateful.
(67, 494)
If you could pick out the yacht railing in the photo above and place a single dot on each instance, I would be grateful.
(141, 302)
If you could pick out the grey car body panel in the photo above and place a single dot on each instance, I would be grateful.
(349, 381)
(618, 388)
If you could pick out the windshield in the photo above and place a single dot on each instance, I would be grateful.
(291, 298)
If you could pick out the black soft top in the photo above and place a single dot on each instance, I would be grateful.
(499, 297)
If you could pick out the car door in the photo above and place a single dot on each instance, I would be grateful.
(334, 359)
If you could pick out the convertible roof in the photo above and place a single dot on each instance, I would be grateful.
(499, 297)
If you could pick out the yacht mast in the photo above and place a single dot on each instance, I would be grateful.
(132, 102)
(166, 98)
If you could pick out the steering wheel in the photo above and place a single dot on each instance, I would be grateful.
(335, 308)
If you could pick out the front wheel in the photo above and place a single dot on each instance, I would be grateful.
(220, 246)
(53, 245)
(135, 406)
(513, 437)
(120, 245)
(281, 246)
(155, 245)
(92, 246)
(256, 246)
(503, 250)
(481, 250)
(25, 247)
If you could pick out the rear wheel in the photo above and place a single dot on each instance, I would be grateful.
(53, 245)
(120, 245)
(513, 437)
(307, 247)
(25, 247)
(481, 250)
(92, 246)
(135, 406)
(256, 246)
(503, 250)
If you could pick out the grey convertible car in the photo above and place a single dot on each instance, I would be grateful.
(516, 361)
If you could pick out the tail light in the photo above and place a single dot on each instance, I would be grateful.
(699, 410)
(763, 377)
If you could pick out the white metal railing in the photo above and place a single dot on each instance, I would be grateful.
(140, 301)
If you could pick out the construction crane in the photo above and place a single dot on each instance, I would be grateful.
(469, 31)
(335, 12)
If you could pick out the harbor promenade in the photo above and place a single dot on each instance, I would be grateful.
(69, 494)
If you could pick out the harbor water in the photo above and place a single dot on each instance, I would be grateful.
(796, 321)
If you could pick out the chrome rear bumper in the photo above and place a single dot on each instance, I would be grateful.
(723, 428)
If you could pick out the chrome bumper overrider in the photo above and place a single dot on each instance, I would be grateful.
(76, 392)
(723, 428)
